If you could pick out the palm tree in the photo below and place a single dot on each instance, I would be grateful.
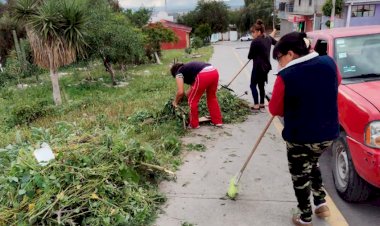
(55, 29)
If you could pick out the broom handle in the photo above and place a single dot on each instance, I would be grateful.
(237, 73)
(253, 150)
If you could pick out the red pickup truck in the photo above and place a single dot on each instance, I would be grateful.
(356, 153)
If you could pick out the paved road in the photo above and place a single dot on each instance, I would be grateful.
(363, 214)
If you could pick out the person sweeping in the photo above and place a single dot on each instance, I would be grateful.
(202, 78)
(305, 94)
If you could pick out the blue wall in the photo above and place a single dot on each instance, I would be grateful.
(360, 21)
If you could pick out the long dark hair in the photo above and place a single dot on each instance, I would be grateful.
(294, 41)
(174, 68)
(258, 26)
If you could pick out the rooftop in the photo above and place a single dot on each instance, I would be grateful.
(349, 31)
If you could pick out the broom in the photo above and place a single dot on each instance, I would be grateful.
(233, 187)
(241, 69)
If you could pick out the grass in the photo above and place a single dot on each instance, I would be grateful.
(101, 137)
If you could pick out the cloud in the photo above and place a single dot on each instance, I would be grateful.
(171, 4)
(157, 3)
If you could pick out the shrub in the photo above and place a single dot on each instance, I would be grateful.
(197, 43)
(26, 113)
(188, 50)
(5, 79)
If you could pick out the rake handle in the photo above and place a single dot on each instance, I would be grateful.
(253, 150)
(237, 74)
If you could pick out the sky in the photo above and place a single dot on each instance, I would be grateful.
(171, 4)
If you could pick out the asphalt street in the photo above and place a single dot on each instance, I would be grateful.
(266, 196)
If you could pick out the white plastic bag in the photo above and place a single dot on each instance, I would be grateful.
(44, 154)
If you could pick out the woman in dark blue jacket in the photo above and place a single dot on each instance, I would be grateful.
(305, 94)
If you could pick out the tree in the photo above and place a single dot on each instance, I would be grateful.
(259, 10)
(204, 32)
(234, 16)
(112, 38)
(190, 19)
(7, 24)
(156, 34)
(139, 18)
(248, 2)
(327, 7)
(212, 13)
(115, 6)
(56, 33)
(2, 8)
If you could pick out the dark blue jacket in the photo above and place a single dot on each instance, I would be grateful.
(190, 71)
(310, 101)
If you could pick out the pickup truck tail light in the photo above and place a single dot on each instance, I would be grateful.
(372, 134)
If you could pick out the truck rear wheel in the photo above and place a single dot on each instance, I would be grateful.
(349, 185)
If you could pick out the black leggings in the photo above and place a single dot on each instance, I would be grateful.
(255, 94)
(257, 81)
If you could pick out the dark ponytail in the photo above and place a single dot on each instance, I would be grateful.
(258, 26)
(294, 41)
(175, 68)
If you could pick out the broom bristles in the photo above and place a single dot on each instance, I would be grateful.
(232, 189)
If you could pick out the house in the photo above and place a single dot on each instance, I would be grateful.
(300, 15)
(362, 12)
(182, 32)
(306, 15)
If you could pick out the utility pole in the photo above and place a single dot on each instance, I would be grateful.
(274, 14)
(166, 7)
(332, 19)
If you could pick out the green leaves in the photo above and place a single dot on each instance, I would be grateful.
(149, 152)
(213, 13)
(24, 9)
(327, 7)
(111, 36)
(140, 17)
(253, 11)
(100, 138)
(156, 34)
(55, 29)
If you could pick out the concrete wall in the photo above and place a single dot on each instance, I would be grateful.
(306, 8)
(183, 40)
(286, 27)
(226, 36)
(233, 36)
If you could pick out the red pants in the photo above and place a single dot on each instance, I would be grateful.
(206, 80)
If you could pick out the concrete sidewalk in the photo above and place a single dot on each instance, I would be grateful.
(266, 196)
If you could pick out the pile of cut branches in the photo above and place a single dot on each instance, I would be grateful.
(233, 108)
(101, 176)
(96, 179)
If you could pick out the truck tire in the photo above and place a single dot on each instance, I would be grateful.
(349, 185)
